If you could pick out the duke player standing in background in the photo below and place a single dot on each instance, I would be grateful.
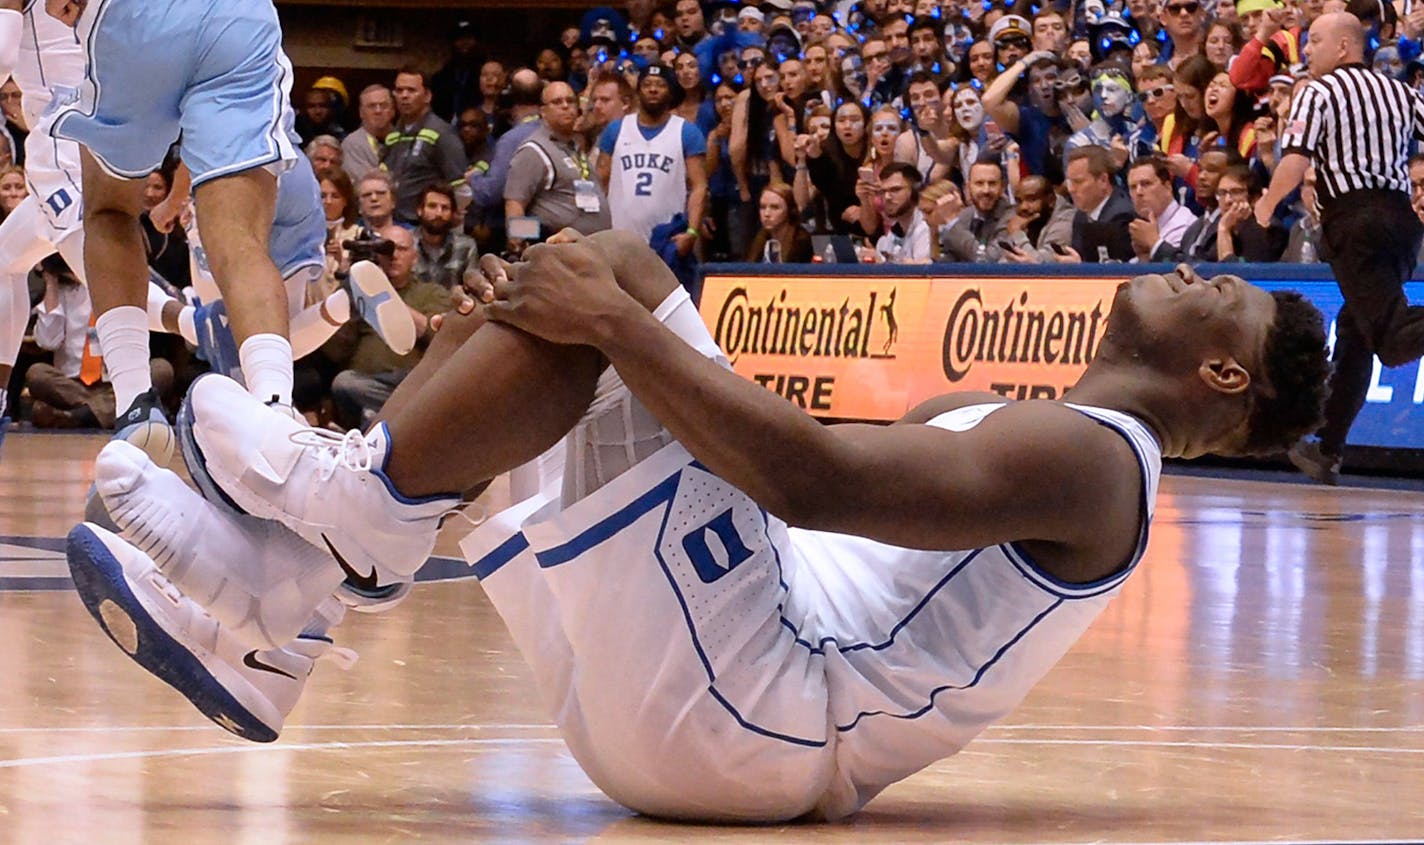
(651, 167)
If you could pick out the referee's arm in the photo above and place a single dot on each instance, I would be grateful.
(1297, 148)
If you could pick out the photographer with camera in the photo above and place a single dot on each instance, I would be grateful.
(371, 371)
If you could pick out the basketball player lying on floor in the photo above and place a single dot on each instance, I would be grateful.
(734, 612)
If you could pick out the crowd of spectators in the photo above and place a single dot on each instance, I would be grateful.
(785, 131)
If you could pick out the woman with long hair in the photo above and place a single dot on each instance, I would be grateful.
(1180, 138)
(1230, 116)
(1223, 41)
(762, 138)
(781, 239)
(832, 165)
(688, 72)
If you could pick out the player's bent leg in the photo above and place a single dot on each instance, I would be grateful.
(248, 692)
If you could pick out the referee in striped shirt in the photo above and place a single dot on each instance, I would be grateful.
(1355, 126)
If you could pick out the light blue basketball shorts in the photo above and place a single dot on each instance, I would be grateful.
(209, 74)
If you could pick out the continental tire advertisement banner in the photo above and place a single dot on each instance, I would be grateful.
(871, 348)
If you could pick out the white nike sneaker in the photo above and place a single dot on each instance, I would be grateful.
(375, 301)
(330, 489)
(247, 692)
(261, 581)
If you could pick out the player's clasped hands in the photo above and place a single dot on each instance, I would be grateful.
(557, 292)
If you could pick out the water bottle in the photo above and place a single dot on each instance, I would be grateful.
(1307, 250)
(773, 251)
(829, 256)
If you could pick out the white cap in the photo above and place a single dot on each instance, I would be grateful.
(751, 12)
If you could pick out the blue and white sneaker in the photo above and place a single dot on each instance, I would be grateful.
(247, 692)
(145, 426)
(375, 301)
(330, 489)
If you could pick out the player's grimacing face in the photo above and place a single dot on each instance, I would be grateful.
(1165, 316)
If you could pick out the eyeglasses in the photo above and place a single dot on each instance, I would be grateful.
(1182, 8)
(1157, 93)
(754, 61)
(1014, 41)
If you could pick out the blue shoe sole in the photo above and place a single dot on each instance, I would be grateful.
(193, 456)
(99, 578)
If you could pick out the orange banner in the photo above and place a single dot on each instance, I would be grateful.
(871, 348)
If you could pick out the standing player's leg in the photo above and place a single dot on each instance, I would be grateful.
(114, 250)
(235, 218)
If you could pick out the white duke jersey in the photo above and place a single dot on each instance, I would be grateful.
(924, 650)
(647, 185)
(51, 62)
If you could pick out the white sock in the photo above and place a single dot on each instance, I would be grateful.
(266, 361)
(338, 307)
(187, 327)
(156, 300)
(123, 341)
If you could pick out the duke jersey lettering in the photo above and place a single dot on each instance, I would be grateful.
(648, 182)
(49, 72)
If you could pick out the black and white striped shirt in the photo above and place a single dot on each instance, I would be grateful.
(1355, 125)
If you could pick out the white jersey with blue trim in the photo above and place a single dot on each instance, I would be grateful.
(51, 65)
(936, 646)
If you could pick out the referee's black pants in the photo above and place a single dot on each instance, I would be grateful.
(1372, 238)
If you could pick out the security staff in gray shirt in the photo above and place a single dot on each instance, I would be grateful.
(550, 178)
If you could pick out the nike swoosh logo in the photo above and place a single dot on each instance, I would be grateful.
(364, 583)
(250, 660)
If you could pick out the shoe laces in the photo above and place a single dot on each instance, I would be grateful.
(336, 451)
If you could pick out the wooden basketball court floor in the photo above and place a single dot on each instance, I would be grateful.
(1261, 678)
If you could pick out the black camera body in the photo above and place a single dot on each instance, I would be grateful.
(368, 246)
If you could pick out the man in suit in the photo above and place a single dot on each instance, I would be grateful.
(1199, 241)
(1100, 231)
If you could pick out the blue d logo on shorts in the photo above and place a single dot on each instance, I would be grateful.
(716, 548)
